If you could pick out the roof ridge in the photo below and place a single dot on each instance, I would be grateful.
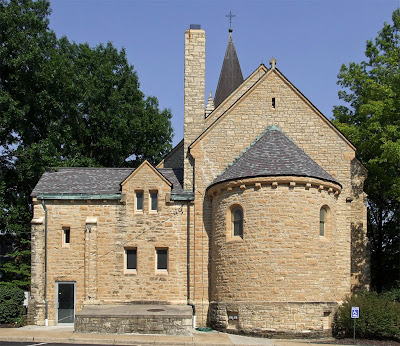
(54, 169)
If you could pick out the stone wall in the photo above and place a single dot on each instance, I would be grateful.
(360, 251)
(134, 324)
(281, 275)
(95, 259)
(180, 324)
(194, 95)
(274, 319)
(230, 134)
(281, 249)
(281, 256)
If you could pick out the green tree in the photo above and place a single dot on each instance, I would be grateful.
(63, 104)
(371, 120)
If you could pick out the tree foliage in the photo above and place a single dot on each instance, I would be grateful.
(63, 104)
(371, 120)
(11, 304)
(379, 316)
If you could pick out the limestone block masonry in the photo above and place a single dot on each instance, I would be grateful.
(194, 95)
(281, 249)
(134, 324)
(280, 276)
(96, 261)
(141, 319)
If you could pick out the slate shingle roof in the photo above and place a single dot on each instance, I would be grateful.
(231, 74)
(174, 176)
(94, 181)
(273, 154)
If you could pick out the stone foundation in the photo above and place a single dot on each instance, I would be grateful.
(141, 319)
(36, 313)
(283, 319)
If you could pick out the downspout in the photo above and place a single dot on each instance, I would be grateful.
(46, 308)
(188, 265)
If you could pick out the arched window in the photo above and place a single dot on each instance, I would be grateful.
(323, 219)
(237, 222)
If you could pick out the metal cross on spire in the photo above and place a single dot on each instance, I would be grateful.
(230, 16)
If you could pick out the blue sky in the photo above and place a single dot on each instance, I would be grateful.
(309, 38)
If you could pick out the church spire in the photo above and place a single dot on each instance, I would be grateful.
(231, 75)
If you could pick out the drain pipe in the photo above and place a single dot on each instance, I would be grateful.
(188, 265)
(46, 308)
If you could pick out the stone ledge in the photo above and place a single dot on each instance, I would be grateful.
(275, 182)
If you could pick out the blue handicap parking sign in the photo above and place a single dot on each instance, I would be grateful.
(355, 312)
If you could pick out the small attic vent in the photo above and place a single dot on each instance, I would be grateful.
(195, 26)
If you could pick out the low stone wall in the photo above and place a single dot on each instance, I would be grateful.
(141, 319)
(141, 325)
(272, 319)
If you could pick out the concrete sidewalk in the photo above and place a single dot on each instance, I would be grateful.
(63, 334)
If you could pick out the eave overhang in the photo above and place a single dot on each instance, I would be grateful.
(78, 196)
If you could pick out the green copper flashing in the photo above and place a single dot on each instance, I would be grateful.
(184, 196)
(73, 196)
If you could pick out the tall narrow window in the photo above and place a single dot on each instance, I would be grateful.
(66, 236)
(153, 200)
(131, 259)
(323, 213)
(237, 220)
(139, 200)
(273, 102)
(162, 259)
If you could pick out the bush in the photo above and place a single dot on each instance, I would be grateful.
(11, 304)
(379, 316)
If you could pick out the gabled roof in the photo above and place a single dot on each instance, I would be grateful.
(149, 166)
(174, 176)
(95, 181)
(231, 74)
(81, 180)
(273, 154)
(251, 89)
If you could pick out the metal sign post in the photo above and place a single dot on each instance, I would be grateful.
(355, 313)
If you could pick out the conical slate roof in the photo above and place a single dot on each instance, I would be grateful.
(231, 75)
(273, 154)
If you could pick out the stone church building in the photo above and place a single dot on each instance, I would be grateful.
(255, 222)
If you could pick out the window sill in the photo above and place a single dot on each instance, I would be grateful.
(130, 272)
(161, 271)
(235, 239)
